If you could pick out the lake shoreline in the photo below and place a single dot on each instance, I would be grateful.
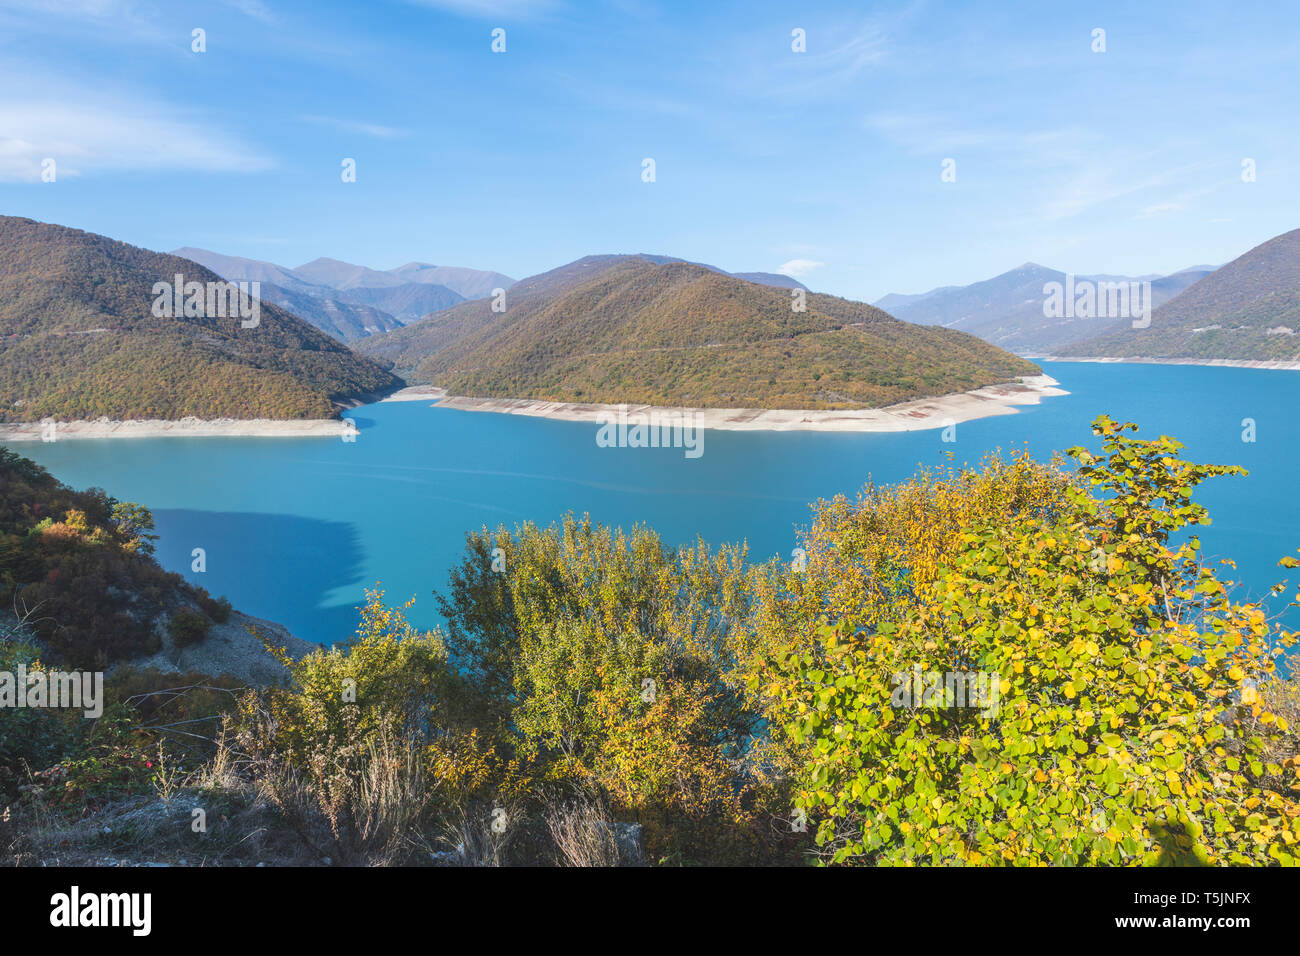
(1207, 363)
(178, 428)
(915, 415)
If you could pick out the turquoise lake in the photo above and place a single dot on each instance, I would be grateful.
(294, 529)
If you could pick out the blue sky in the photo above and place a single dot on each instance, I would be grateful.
(1127, 161)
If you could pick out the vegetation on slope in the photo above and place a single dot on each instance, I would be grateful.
(1007, 310)
(625, 329)
(332, 314)
(78, 340)
(591, 680)
(1246, 310)
(77, 570)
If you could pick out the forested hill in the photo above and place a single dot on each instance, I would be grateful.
(1248, 310)
(614, 329)
(79, 340)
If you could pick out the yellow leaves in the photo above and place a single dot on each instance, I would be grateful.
(1236, 673)
(1123, 719)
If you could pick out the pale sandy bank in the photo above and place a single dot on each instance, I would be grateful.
(1231, 363)
(905, 416)
(181, 428)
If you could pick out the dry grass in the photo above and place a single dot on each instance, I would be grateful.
(584, 835)
(354, 809)
(483, 835)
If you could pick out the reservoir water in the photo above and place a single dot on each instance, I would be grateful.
(294, 529)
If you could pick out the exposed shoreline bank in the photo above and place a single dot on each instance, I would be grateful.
(915, 415)
(179, 428)
(1224, 363)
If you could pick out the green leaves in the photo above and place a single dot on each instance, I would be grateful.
(1117, 656)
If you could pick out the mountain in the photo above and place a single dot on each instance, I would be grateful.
(406, 302)
(406, 293)
(355, 293)
(79, 339)
(643, 329)
(471, 284)
(776, 279)
(897, 302)
(1247, 310)
(335, 314)
(1008, 310)
(344, 275)
(466, 283)
(239, 269)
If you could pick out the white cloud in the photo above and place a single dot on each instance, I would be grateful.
(797, 268)
(1159, 209)
(512, 9)
(86, 134)
(352, 126)
(830, 66)
(252, 8)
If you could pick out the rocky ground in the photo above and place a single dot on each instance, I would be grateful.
(232, 649)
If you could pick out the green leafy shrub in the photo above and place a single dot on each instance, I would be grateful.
(187, 627)
(1129, 728)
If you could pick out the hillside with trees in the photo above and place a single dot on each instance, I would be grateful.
(1247, 310)
(1008, 310)
(79, 340)
(616, 329)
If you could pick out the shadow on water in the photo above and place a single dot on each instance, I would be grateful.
(284, 568)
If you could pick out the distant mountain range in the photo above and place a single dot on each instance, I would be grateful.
(81, 336)
(351, 302)
(1007, 310)
(1248, 310)
(354, 301)
(658, 330)
(335, 315)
